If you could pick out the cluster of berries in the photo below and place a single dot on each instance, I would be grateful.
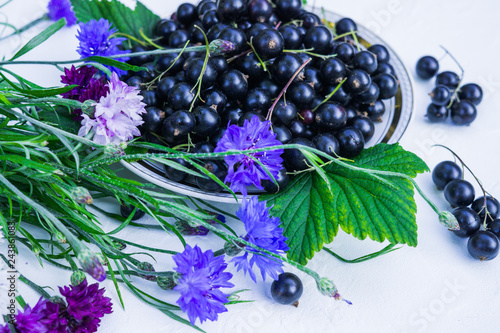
(449, 98)
(314, 82)
(478, 218)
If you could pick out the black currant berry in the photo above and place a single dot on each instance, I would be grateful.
(283, 134)
(380, 52)
(436, 113)
(178, 38)
(369, 96)
(345, 25)
(207, 120)
(364, 124)
(173, 173)
(235, 36)
(445, 172)
(358, 81)
(178, 126)
(385, 69)
(492, 206)
(294, 159)
(319, 38)
(186, 13)
(164, 28)
(483, 245)
(468, 221)
(427, 67)
(153, 119)
(301, 94)
(259, 10)
(387, 84)
(207, 184)
(291, 36)
(374, 111)
(231, 10)
(215, 99)
(330, 116)
(366, 61)
(284, 67)
(282, 180)
(181, 96)
(126, 210)
(345, 52)
(471, 92)
(284, 113)
(287, 289)
(494, 227)
(194, 67)
(288, 9)
(463, 112)
(449, 79)
(351, 141)
(327, 143)
(268, 44)
(333, 71)
(459, 193)
(441, 95)
(257, 100)
(233, 84)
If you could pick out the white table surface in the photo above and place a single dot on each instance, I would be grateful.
(435, 287)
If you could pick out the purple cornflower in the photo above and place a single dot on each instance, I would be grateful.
(86, 306)
(89, 88)
(117, 115)
(263, 231)
(59, 9)
(202, 275)
(95, 40)
(243, 170)
(29, 321)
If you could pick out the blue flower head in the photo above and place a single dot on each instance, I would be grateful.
(244, 170)
(96, 40)
(263, 231)
(57, 9)
(202, 276)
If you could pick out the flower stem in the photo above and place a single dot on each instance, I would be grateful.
(26, 27)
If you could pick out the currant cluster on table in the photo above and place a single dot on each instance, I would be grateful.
(479, 219)
(272, 41)
(448, 98)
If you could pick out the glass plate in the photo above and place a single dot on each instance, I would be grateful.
(394, 123)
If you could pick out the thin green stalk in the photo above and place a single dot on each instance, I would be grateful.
(389, 248)
(27, 26)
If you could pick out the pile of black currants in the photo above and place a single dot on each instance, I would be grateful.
(448, 98)
(479, 219)
(331, 103)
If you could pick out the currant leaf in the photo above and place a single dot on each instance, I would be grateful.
(361, 202)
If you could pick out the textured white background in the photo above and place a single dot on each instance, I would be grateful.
(435, 287)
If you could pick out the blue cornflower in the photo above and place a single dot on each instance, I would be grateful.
(95, 40)
(202, 275)
(263, 231)
(59, 9)
(243, 170)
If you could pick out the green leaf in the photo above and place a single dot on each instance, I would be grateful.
(42, 92)
(361, 203)
(124, 19)
(40, 38)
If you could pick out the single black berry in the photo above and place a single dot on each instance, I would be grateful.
(483, 245)
(445, 172)
(468, 221)
(287, 289)
(427, 67)
(459, 193)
